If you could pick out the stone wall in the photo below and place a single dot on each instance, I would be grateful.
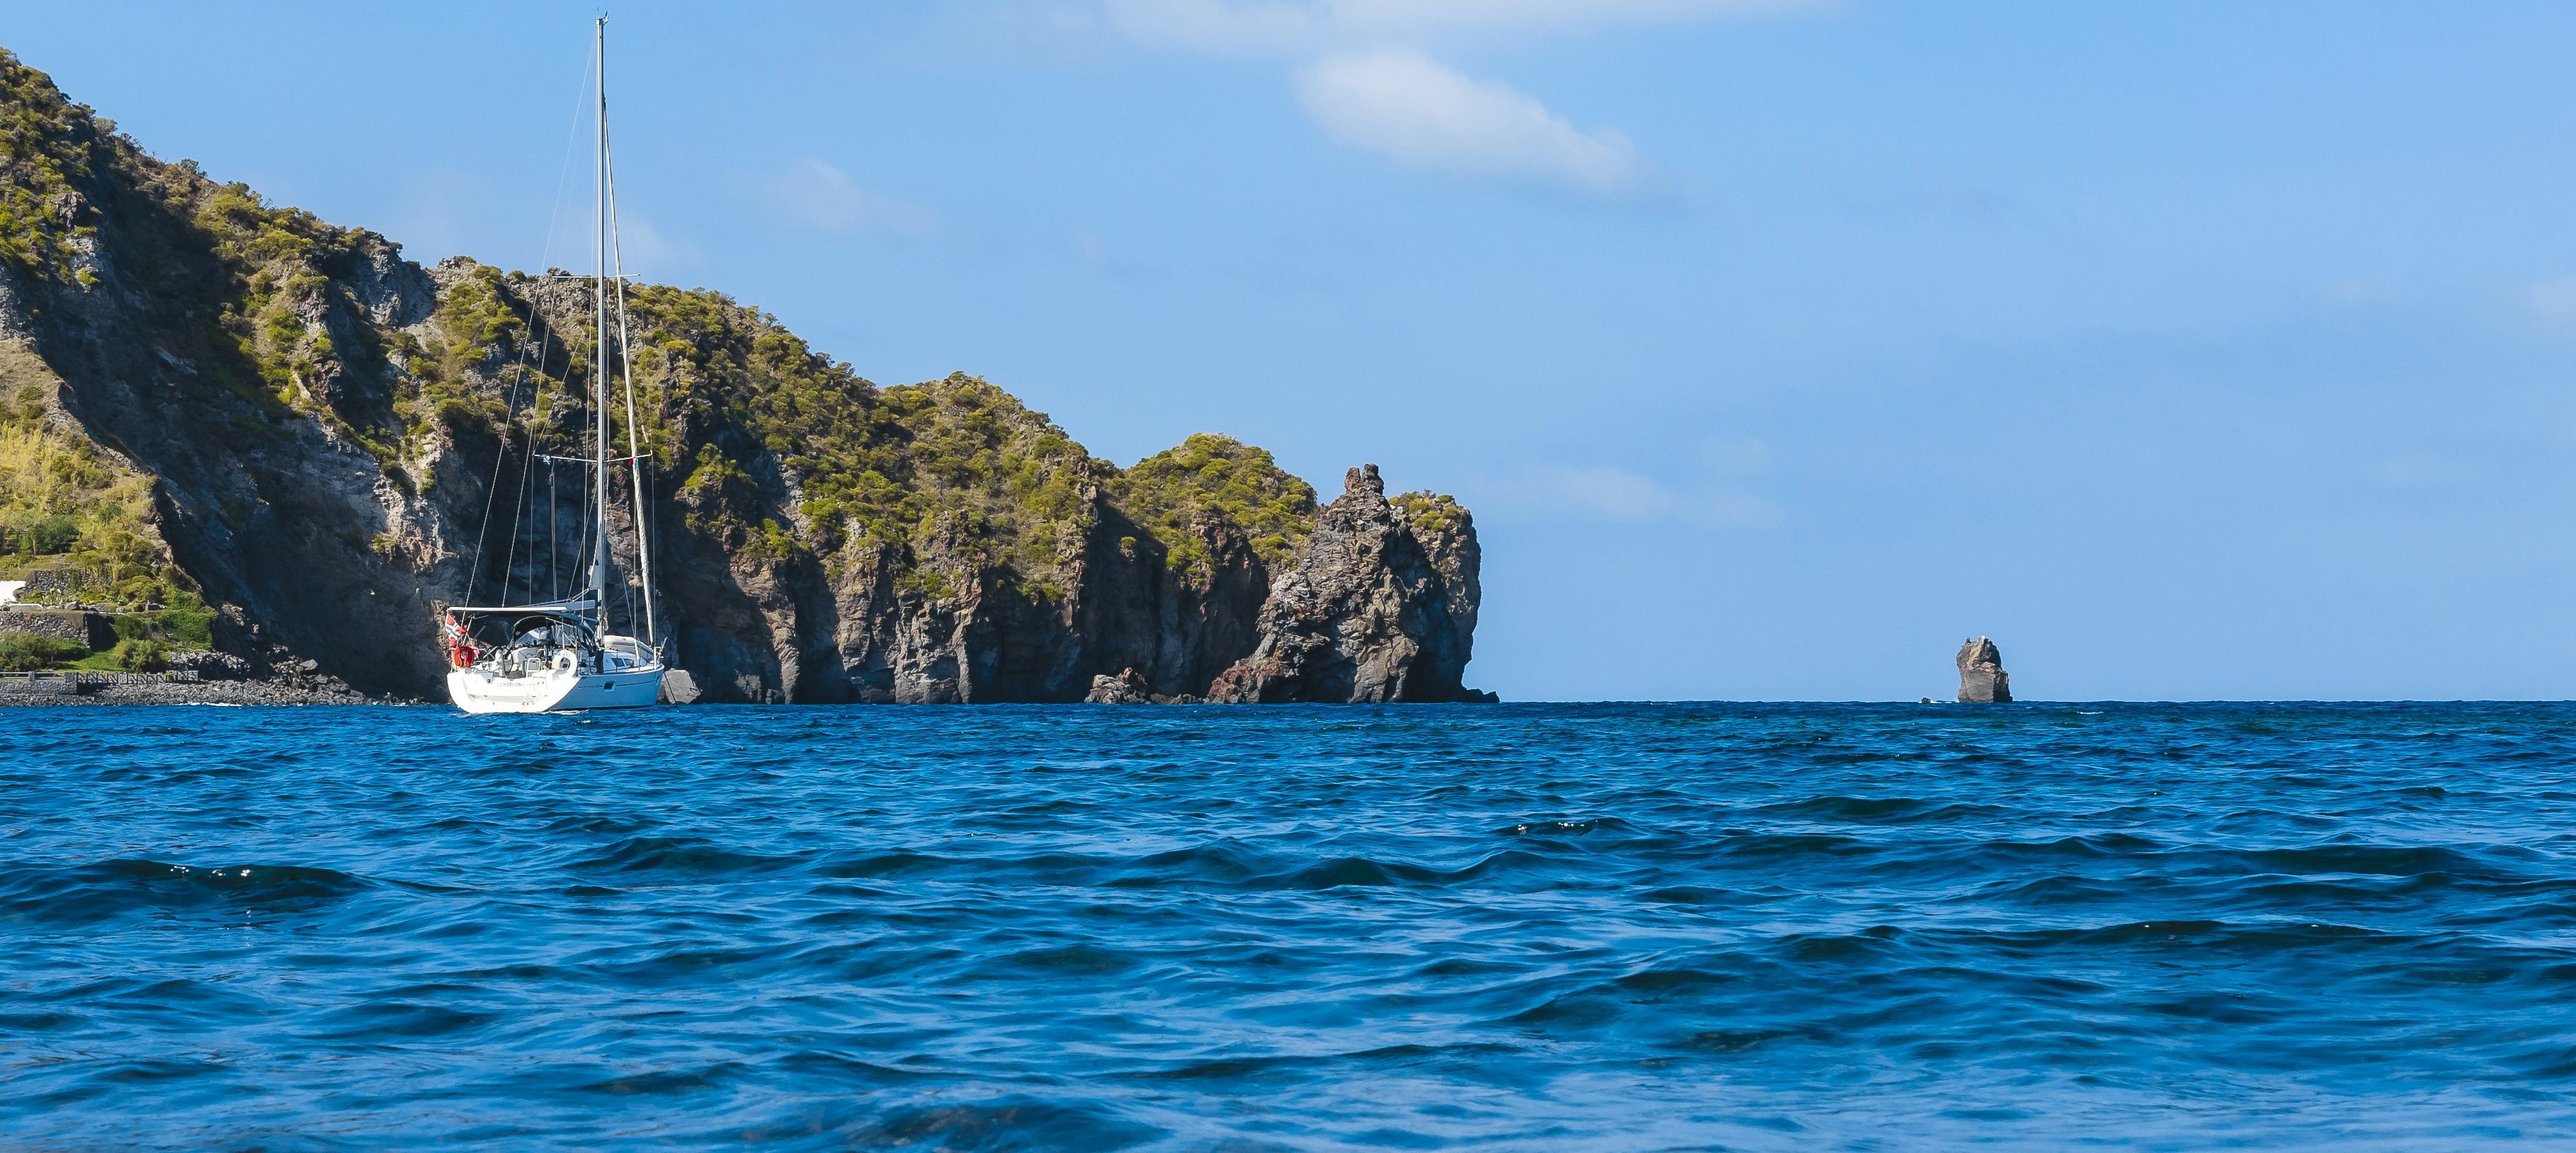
(95, 630)
(46, 586)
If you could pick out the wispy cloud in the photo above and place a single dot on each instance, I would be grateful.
(1369, 83)
(812, 194)
(1098, 254)
(1734, 458)
(1611, 492)
(2555, 301)
(1411, 109)
(1302, 26)
(649, 254)
(1720, 497)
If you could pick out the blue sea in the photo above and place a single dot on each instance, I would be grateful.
(1597, 927)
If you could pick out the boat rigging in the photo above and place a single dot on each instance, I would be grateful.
(558, 654)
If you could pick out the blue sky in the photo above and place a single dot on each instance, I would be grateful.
(2191, 350)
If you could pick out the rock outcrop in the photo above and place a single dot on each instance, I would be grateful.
(1982, 679)
(328, 444)
(1380, 607)
(1127, 688)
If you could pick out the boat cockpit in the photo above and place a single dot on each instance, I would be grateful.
(517, 643)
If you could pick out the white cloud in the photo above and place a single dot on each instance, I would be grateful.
(1097, 253)
(1310, 25)
(1614, 492)
(1088, 245)
(1735, 457)
(812, 194)
(1727, 507)
(645, 252)
(1620, 494)
(1411, 109)
(1212, 25)
(2356, 292)
(1368, 83)
(2418, 470)
(2555, 300)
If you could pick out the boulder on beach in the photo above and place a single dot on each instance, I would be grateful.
(679, 688)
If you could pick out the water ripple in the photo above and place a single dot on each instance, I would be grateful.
(1517, 927)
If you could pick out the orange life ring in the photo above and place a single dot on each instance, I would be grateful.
(463, 655)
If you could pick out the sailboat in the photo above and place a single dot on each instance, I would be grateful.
(557, 654)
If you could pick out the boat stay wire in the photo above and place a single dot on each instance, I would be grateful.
(642, 503)
(592, 566)
(501, 455)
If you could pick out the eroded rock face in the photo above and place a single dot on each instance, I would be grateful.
(1380, 607)
(1982, 679)
(877, 633)
(283, 522)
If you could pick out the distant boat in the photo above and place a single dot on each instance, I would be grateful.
(557, 655)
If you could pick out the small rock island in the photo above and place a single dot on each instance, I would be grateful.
(1982, 680)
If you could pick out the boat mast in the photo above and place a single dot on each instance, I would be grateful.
(599, 299)
(634, 445)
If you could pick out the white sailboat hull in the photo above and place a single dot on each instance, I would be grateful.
(482, 690)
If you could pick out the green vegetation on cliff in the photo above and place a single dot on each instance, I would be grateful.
(27, 652)
(1430, 512)
(777, 452)
(266, 321)
(976, 464)
(1222, 479)
(267, 317)
(274, 328)
(44, 147)
(67, 507)
(869, 471)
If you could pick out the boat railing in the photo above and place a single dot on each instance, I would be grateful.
(72, 682)
(624, 652)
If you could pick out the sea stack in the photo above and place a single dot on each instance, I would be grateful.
(1380, 606)
(1982, 680)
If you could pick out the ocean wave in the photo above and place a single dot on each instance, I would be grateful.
(676, 857)
(110, 889)
(1877, 810)
(1589, 928)
(1006, 1125)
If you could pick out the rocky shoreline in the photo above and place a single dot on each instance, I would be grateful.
(144, 689)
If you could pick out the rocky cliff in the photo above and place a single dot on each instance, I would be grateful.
(207, 397)
(1380, 607)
